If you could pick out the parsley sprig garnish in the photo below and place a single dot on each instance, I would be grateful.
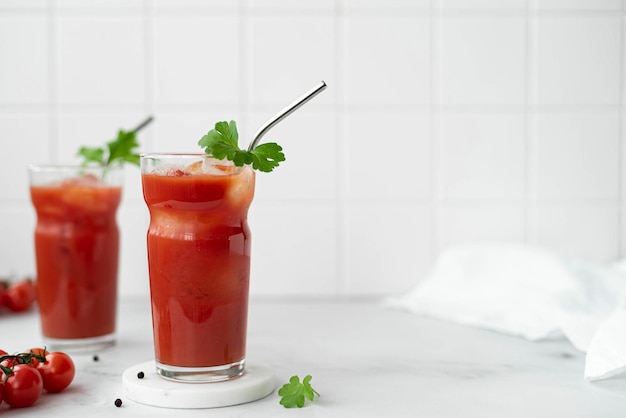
(120, 150)
(223, 142)
(294, 393)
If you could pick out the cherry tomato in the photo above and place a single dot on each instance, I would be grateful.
(23, 387)
(3, 294)
(20, 295)
(57, 372)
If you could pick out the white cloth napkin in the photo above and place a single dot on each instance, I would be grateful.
(532, 293)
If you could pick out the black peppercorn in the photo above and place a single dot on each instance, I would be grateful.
(118, 402)
(140, 375)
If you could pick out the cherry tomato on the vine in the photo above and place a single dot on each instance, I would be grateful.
(20, 295)
(23, 386)
(39, 351)
(34, 362)
(10, 362)
(57, 372)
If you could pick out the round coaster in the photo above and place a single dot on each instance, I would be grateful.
(256, 382)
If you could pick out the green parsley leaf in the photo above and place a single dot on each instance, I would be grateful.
(266, 157)
(223, 142)
(120, 150)
(123, 148)
(294, 393)
(91, 154)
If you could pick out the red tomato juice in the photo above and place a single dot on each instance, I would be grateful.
(199, 265)
(77, 249)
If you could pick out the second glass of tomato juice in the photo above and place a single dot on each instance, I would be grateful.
(199, 264)
(77, 250)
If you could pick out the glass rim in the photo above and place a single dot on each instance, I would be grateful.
(72, 167)
(174, 154)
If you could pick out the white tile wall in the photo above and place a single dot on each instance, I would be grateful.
(445, 122)
(482, 59)
(585, 231)
(484, 156)
(463, 223)
(99, 60)
(587, 149)
(578, 59)
(387, 246)
(23, 39)
(199, 48)
(292, 65)
(26, 136)
(386, 60)
(373, 172)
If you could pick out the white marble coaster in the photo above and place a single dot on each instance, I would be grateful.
(257, 382)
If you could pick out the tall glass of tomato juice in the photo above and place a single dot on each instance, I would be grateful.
(199, 264)
(77, 252)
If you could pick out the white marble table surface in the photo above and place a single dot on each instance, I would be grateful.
(366, 361)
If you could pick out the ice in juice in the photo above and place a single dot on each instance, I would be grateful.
(199, 260)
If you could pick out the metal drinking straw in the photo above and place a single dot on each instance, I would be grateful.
(270, 123)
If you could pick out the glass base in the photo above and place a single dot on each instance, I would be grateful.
(90, 345)
(201, 374)
(257, 382)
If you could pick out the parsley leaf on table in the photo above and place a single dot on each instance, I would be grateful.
(294, 393)
(223, 142)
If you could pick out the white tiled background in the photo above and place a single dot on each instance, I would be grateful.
(445, 122)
